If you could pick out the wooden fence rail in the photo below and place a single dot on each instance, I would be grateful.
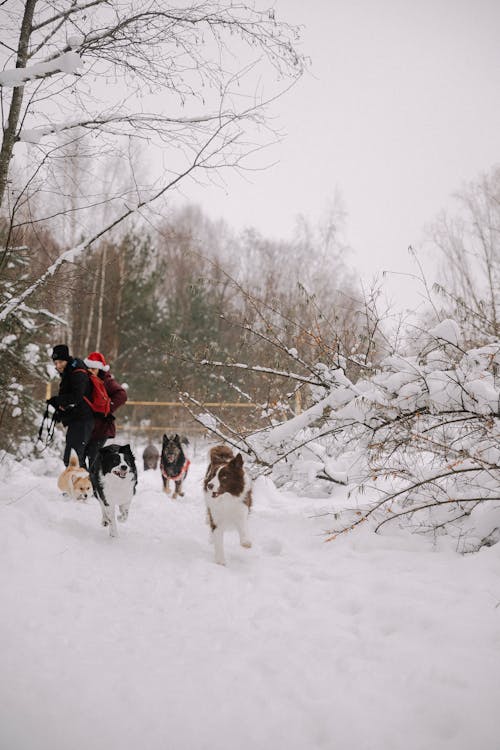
(228, 404)
(224, 404)
(145, 418)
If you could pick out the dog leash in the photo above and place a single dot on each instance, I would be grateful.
(50, 429)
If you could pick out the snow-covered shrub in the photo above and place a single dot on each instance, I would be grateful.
(418, 440)
(421, 437)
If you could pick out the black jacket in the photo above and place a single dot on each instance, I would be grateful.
(74, 386)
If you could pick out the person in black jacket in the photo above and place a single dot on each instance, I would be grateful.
(71, 407)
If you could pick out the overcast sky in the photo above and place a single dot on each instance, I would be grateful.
(401, 107)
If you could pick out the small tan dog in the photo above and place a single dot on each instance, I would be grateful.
(75, 481)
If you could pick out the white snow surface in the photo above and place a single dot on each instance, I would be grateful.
(369, 642)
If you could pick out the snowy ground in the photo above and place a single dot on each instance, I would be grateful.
(366, 643)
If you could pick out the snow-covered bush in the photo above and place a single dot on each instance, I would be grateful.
(418, 440)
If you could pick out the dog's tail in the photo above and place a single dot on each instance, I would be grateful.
(73, 460)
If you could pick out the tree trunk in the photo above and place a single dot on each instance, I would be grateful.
(101, 300)
(115, 345)
(10, 131)
(90, 319)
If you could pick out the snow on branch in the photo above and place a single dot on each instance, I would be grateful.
(44, 312)
(258, 368)
(137, 121)
(68, 62)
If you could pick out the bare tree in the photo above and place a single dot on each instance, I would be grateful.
(285, 345)
(469, 246)
(87, 70)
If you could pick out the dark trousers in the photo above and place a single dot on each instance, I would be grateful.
(92, 450)
(77, 437)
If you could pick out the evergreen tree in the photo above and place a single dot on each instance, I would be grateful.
(23, 357)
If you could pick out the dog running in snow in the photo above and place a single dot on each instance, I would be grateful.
(228, 495)
(75, 480)
(150, 457)
(174, 463)
(114, 477)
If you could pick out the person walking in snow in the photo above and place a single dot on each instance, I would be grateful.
(72, 408)
(104, 426)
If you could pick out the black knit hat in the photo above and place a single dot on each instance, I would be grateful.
(61, 351)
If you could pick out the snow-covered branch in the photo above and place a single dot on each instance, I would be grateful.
(138, 121)
(257, 368)
(68, 62)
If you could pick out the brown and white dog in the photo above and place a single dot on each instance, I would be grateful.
(228, 495)
(75, 480)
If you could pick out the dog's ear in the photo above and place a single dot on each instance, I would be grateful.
(165, 439)
(177, 440)
(109, 448)
(237, 460)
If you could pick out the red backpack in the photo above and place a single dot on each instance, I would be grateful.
(99, 401)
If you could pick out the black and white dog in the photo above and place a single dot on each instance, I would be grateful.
(174, 463)
(114, 478)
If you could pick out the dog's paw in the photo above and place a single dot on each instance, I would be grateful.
(123, 516)
(246, 543)
(220, 562)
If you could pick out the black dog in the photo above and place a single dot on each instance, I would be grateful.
(174, 463)
(114, 478)
(150, 457)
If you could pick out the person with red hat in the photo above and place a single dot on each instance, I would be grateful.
(104, 426)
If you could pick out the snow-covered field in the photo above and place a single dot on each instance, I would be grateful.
(366, 643)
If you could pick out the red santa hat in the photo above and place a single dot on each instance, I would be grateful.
(96, 361)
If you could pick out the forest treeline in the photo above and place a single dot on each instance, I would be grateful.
(159, 301)
(188, 305)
